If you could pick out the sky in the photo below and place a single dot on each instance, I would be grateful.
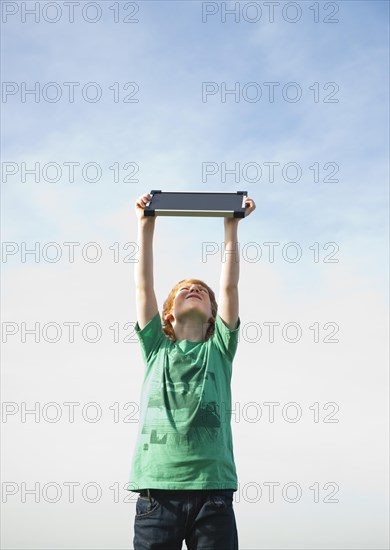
(325, 133)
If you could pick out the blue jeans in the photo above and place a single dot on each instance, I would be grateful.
(203, 518)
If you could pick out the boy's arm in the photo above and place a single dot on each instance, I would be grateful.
(228, 286)
(146, 301)
(228, 293)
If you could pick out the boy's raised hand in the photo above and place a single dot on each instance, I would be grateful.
(249, 206)
(140, 206)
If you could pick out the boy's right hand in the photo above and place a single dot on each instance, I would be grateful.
(140, 207)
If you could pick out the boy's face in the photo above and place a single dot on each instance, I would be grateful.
(192, 300)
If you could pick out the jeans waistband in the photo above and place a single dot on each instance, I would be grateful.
(183, 492)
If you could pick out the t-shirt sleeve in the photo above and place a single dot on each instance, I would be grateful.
(226, 339)
(151, 336)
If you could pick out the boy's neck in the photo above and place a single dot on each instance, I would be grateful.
(190, 330)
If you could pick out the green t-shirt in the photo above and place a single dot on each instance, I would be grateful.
(184, 438)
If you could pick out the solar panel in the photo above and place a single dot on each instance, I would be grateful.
(196, 203)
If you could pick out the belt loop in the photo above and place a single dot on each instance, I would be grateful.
(149, 496)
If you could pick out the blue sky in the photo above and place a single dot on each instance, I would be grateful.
(169, 133)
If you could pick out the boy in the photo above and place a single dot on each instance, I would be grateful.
(183, 465)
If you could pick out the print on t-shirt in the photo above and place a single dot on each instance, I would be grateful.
(178, 410)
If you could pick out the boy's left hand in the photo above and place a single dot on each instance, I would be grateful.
(249, 206)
